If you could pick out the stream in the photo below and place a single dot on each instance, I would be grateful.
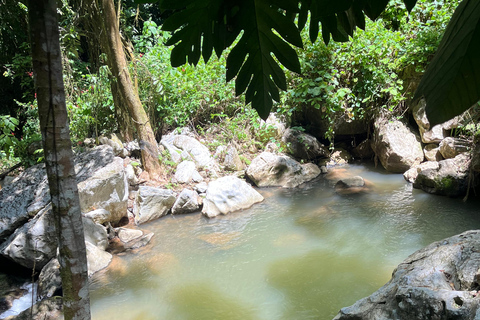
(301, 254)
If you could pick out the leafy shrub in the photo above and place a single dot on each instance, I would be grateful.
(181, 96)
(376, 69)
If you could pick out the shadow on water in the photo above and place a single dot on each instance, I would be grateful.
(201, 301)
(316, 285)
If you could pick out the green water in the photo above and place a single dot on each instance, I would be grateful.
(301, 254)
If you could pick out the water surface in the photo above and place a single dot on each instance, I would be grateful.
(301, 254)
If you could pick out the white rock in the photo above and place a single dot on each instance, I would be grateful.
(229, 194)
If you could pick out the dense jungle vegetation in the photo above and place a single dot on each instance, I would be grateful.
(378, 69)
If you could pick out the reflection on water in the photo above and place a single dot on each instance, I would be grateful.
(301, 254)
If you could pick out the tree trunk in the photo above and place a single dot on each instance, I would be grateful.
(121, 112)
(47, 67)
(111, 42)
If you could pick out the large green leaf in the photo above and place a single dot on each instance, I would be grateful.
(198, 27)
(451, 83)
(265, 31)
(265, 42)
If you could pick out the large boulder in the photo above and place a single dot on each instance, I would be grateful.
(270, 170)
(438, 282)
(229, 194)
(35, 243)
(303, 146)
(450, 178)
(397, 147)
(106, 188)
(16, 197)
(152, 203)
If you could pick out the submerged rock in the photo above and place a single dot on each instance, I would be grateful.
(229, 194)
(350, 185)
(269, 170)
(440, 282)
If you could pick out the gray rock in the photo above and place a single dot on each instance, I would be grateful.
(106, 188)
(48, 309)
(476, 158)
(411, 174)
(29, 193)
(232, 160)
(340, 156)
(303, 146)
(350, 185)
(49, 280)
(437, 282)
(363, 150)
(220, 153)
(449, 179)
(432, 152)
(95, 233)
(229, 194)
(188, 201)
(35, 243)
(130, 174)
(451, 147)
(397, 147)
(126, 235)
(152, 203)
(97, 259)
(438, 132)
(15, 199)
(138, 242)
(115, 143)
(196, 150)
(351, 182)
(100, 216)
(276, 124)
(201, 187)
(186, 172)
(269, 170)
(176, 155)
